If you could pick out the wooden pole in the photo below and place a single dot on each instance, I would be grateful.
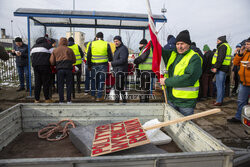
(165, 94)
(186, 118)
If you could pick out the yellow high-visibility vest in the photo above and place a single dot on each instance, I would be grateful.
(190, 92)
(147, 64)
(77, 54)
(227, 60)
(99, 50)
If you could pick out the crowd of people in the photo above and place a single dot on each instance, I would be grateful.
(191, 74)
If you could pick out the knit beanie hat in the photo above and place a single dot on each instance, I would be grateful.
(18, 39)
(169, 37)
(238, 45)
(206, 48)
(118, 38)
(222, 38)
(183, 36)
(143, 41)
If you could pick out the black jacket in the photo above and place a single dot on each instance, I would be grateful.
(120, 60)
(142, 58)
(207, 62)
(22, 60)
(40, 53)
(222, 51)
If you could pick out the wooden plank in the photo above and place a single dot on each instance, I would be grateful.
(76, 112)
(13, 128)
(10, 117)
(131, 163)
(118, 136)
(190, 137)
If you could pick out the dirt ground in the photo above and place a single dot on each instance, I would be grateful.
(235, 135)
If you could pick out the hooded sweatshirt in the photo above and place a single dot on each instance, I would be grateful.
(63, 57)
(171, 44)
(40, 53)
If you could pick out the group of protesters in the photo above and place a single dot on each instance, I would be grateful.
(191, 74)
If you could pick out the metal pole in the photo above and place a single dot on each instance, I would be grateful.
(74, 27)
(12, 29)
(45, 30)
(144, 35)
(28, 25)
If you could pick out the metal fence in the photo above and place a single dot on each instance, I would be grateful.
(8, 71)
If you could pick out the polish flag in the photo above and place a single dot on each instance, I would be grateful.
(157, 49)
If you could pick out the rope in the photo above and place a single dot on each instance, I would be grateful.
(54, 128)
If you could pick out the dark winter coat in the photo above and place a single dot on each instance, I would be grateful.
(120, 59)
(22, 60)
(222, 51)
(207, 62)
(171, 45)
(40, 53)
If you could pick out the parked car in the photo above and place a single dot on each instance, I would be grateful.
(245, 115)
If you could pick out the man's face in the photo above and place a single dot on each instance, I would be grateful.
(248, 46)
(218, 41)
(182, 47)
(117, 42)
(18, 44)
(141, 45)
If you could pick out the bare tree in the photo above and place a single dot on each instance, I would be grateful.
(51, 32)
(129, 36)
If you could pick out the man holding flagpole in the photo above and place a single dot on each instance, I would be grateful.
(183, 66)
(183, 70)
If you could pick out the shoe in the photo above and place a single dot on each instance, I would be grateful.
(69, 102)
(36, 101)
(217, 104)
(49, 101)
(117, 100)
(233, 120)
(86, 93)
(124, 101)
(20, 89)
(92, 98)
(61, 102)
(99, 99)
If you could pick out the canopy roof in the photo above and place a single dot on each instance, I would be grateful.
(88, 19)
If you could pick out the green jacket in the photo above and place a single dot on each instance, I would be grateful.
(191, 75)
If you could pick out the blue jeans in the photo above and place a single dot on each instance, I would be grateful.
(21, 71)
(244, 92)
(87, 78)
(98, 76)
(184, 111)
(220, 85)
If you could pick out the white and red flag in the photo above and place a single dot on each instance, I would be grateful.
(157, 49)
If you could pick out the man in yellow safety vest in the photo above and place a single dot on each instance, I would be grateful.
(221, 65)
(98, 56)
(183, 70)
(79, 55)
(144, 60)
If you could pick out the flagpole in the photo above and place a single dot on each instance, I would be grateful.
(153, 28)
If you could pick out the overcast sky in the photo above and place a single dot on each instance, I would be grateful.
(206, 20)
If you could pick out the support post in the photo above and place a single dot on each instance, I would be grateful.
(28, 25)
(144, 35)
(45, 30)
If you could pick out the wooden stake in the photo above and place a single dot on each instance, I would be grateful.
(186, 118)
